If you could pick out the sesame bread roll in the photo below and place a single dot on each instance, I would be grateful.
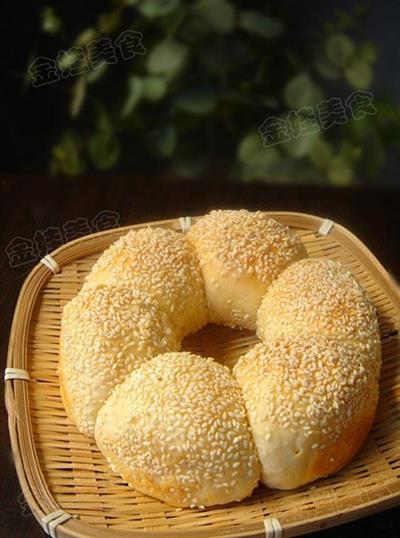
(177, 429)
(241, 253)
(320, 296)
(310, 401)
(161, 264)
(106, 332)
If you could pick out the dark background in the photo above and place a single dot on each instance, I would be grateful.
(32, 120)
(31, 200)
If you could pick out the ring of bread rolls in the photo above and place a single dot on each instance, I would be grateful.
(184, 428)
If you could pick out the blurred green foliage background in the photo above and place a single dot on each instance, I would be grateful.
(213, 71)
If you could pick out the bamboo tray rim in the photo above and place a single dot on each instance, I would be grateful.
(30, 475)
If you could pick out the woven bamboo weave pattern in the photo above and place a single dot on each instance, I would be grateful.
(59, 467)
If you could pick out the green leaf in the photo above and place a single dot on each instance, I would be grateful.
(78, 96)
(263, 174)
(344, 18)
(66, 158)
(259, 24)
(67, 59)
(350, 152)
(368, 53)
(154, 88)
(167, 58)
(264, 167)
(301, 91)
(325, 67)
(96, 74)
(103, 122)
(219, 14)
(250, 146)
(340, 172)
(157, 8)
(103, 147)
(85, 37)
(135, 92)
(359, 75)
(299, 147)
(360, 129)
(339, 49)
(108, 22)
(200, 100)
(254, 155)
(51, 23)
(104, 150)
(320, 153)
(164, 141)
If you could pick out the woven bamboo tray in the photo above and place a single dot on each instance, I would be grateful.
(60, 468)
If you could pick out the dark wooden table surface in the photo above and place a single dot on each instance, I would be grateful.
(38, 207)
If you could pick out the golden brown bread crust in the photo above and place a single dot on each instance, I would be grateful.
(339, 454)
(64, 397)
(144, 483)
(106, 332)
(240, 254)
(161, 264)
(310, 401)
(177, 429)
(320, 296)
